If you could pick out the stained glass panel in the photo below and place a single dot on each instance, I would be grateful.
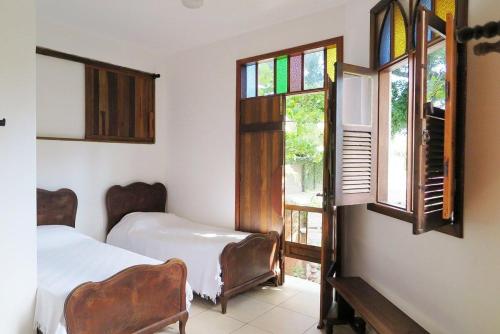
(250, 76)
(443, 7)
(399, 32)
(296, 73)
(385, 41)
(265, 78)
(331, 59)
(314, 69)
(282, 75)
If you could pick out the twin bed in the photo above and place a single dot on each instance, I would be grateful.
(221, 262)
(85, 286)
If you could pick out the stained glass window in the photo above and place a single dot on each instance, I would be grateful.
(443, 7)
(282, 75)
(331, 59)
(385, 41)
(296, 73)
(250, 76)
(314, 69)
(399, 32)
(265, 78)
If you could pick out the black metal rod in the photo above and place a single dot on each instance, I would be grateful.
(2, 122)
(484, 48)
(489, 30)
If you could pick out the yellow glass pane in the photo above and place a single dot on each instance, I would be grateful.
(331, 59)
(444, 7)
(399, 33)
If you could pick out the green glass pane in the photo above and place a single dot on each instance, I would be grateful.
(282, 75)
(265, 78)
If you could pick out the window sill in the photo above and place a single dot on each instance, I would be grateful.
(391, 212)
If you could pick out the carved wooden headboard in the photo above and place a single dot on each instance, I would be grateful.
(56, 207)
(136, 197)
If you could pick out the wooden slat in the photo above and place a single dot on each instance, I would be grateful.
(374, 308)
(450, 117)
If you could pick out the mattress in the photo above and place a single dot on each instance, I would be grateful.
(68, 258)
(163, 235)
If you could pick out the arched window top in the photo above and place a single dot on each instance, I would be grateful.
(392, 38)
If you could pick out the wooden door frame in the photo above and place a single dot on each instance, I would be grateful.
(337, 41)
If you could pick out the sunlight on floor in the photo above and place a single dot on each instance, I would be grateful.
(292, 309)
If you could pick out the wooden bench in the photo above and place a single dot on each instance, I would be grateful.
(354, 294)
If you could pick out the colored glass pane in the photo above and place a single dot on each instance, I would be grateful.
(331, 59)
(314, 70)
(385, 41)
(266, 78)
(282, 75)
(296, 73)
(443, 7)
(427, 4)
(399, 32)
(250, 84)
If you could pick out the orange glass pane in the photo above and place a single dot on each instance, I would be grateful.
(444, 7)
(399, 32)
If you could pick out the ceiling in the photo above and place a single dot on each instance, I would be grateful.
(165, 26)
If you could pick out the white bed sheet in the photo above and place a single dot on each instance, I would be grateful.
(66, 259)
(164, 235)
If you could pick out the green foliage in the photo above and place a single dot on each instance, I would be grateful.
(399, 89)
(304, 138)
(399, 100)
(436, 77)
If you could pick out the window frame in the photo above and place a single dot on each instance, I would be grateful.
(461, 13)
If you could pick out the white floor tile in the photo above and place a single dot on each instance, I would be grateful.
(304, 302)
(213, 323)
(344, 329)
(247, 329)
(280, 320)
(199, 305)
(244, 308)
(272, 295)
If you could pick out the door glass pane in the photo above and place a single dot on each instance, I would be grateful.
(304, 133)
(281, 74)
(357, 99)
(266, 78)
(296, 73)
(314, 69)
(250, 76)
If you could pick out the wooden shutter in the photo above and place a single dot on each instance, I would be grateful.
(119, 106)
(261, 164)
(355, 139)
(434, 154)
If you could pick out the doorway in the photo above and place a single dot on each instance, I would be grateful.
(304, 165)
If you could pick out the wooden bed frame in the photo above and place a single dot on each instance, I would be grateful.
(245, 264)
(141, 299)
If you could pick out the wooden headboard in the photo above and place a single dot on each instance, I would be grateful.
(56, 207)
(136, 197)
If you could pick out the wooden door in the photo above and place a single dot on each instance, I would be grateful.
(261, 171)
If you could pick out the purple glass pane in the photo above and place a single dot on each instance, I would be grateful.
(296, 73)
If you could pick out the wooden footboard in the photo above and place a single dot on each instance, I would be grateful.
(248, 263)
(140, 299)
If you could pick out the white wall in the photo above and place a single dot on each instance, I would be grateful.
(17, 166)
(447, 284)
(91, 168)
(201, 114)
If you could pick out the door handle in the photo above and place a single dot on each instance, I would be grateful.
(2, 122)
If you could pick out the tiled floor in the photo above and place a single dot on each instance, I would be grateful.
(289, 309)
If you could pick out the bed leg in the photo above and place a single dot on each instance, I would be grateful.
(182, 324)
(223, 304)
